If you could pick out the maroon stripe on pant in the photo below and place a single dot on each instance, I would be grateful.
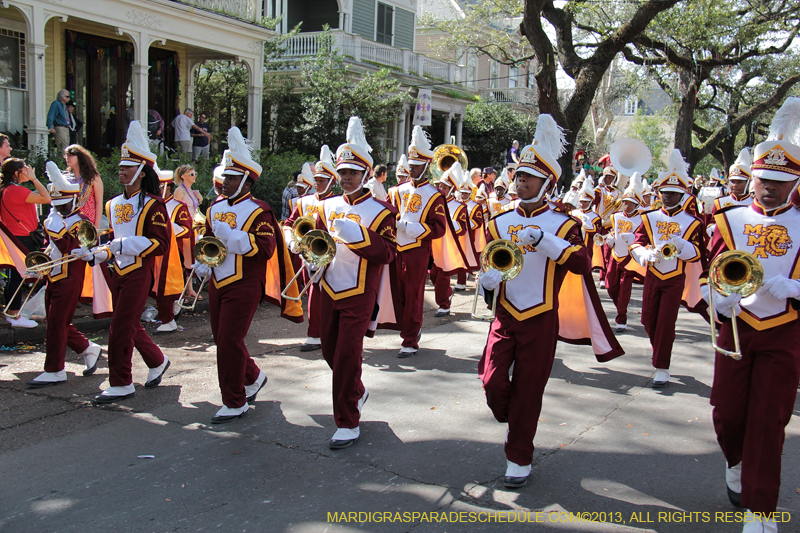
(61, 300)
(129, 295)
(661, 301)
(619, 284)
(343, 324)
(412, 273)
(753, 401)
(531, 346)
(441, 287)
(231, 310)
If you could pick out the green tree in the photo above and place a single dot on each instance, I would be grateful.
(652, 131)
(489, 130)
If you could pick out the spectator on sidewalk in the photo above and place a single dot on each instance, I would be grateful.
(201, 137)
(75, 124)
(183, 126)
(513, 154)
(286, 199)
(57, 120)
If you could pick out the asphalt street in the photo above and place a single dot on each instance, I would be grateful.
(612, 454)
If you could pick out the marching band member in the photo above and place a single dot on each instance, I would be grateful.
(325, 176)
(401, 174)
(665, 280)
(606, 203)
(619, 279)
(363, 229)
(449, 256)
(571, 196)
(590, 221)
(304, 183)
(739, 177)
(183, 229)
(422, 218)
(65, 283)
(139, 220)
(526, 327)
(248, 229)
(754, 397)
(474, 239)
(500, 201)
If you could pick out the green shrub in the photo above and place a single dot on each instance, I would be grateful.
(277, 170)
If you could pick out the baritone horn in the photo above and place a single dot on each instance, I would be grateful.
(87, 236)
(211, 252)
(504, 256)
(317, 248)
(733, 272)
(444, 156)
(32, 260)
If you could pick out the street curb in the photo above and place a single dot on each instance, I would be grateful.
(11, 336)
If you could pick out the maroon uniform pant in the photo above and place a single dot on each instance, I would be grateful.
(441, 287)
(164, 306)
(461, 277)
(129, 295)
(413, 271)
(660, 304)
(313, 305)
(619, 283)
(753, 401)
(60, 300)
(343, 324)
(231, 310)
(530, 345)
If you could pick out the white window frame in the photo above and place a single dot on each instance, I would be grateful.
(493, 73)
(513, 72)
(631, 106)
(394, 28)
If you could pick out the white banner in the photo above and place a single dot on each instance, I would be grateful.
(423, 110)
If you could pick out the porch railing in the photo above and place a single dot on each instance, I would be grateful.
(510, 95)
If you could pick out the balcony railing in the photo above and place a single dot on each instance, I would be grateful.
(360, 49)
(510, 95)
(249, 10)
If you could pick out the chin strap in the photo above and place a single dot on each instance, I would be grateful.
(788, 198)
(326, 189)
(539, 196)
(241, 184)
(138, 170)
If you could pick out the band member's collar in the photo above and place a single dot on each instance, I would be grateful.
(675, 210)
(326, 195)
(536, 212)
(240, 199)
(168, 198)
(131, 196)
(760, 209)
(358, 200)
(420, 185)
(745, 196)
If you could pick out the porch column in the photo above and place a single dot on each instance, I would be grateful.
(401, 137)
(38, 100)
(190, 83)
(255, 99)
(448, 120)
(459, 128)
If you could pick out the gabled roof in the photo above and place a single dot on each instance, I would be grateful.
(440, 9)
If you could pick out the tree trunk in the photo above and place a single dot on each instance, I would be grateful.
(683, 128)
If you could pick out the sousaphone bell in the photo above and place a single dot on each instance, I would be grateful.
(444, 156)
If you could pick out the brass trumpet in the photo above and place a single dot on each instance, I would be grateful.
(444, 156)
(733, 272)
(318, 248)
(600, 240)
(301, 226)
(211, 252)
(31, 260)
(504, 256)
(87, 236)
(668, 252)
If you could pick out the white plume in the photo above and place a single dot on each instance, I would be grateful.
(402, 162)
(588, 186)
(55, 176)
(355, 134)
(786, 124)
(237, 143)
(326, 156)
(457, 173)
(676, 162)
(420, 138)
(308, 172)
(550, 135)
(744, 158)
(137, 135)
(714, 175)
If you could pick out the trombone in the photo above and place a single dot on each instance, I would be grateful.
(301, 226)
(317, 248)
(31, 260)
(211, 252)
(733, 272)
(87, 236)
(504, 256)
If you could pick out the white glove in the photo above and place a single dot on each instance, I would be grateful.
(347, 230)
(222, 231)
(626, 238)
(312, 268)
(551, 246)
(115, 246)
(84, 253)
(490, 279)
(724, 305)
(651, 256)
(587, 222)
(610, 241)
(679, 243)
(201, 270)
(100, 256)
(530, 236)
(710, 229)
(782, 287)
(686, 249)
(412, 229)
(292, 246)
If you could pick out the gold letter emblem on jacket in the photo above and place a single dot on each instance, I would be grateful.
(123, 213)
(770, 240)
(228, 218)
(668, 229)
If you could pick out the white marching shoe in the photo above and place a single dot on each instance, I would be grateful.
(311, 344)
(169, 327)
(757, 523)
(363, 400)
(47, 379)
(516, 475)
(661, 378)
(22, 322)
(91, 356)
(733, 484)
(226, 414)
(620, 327)
(344, 437)
(154, 375)
(251, 391)
(113, 394)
